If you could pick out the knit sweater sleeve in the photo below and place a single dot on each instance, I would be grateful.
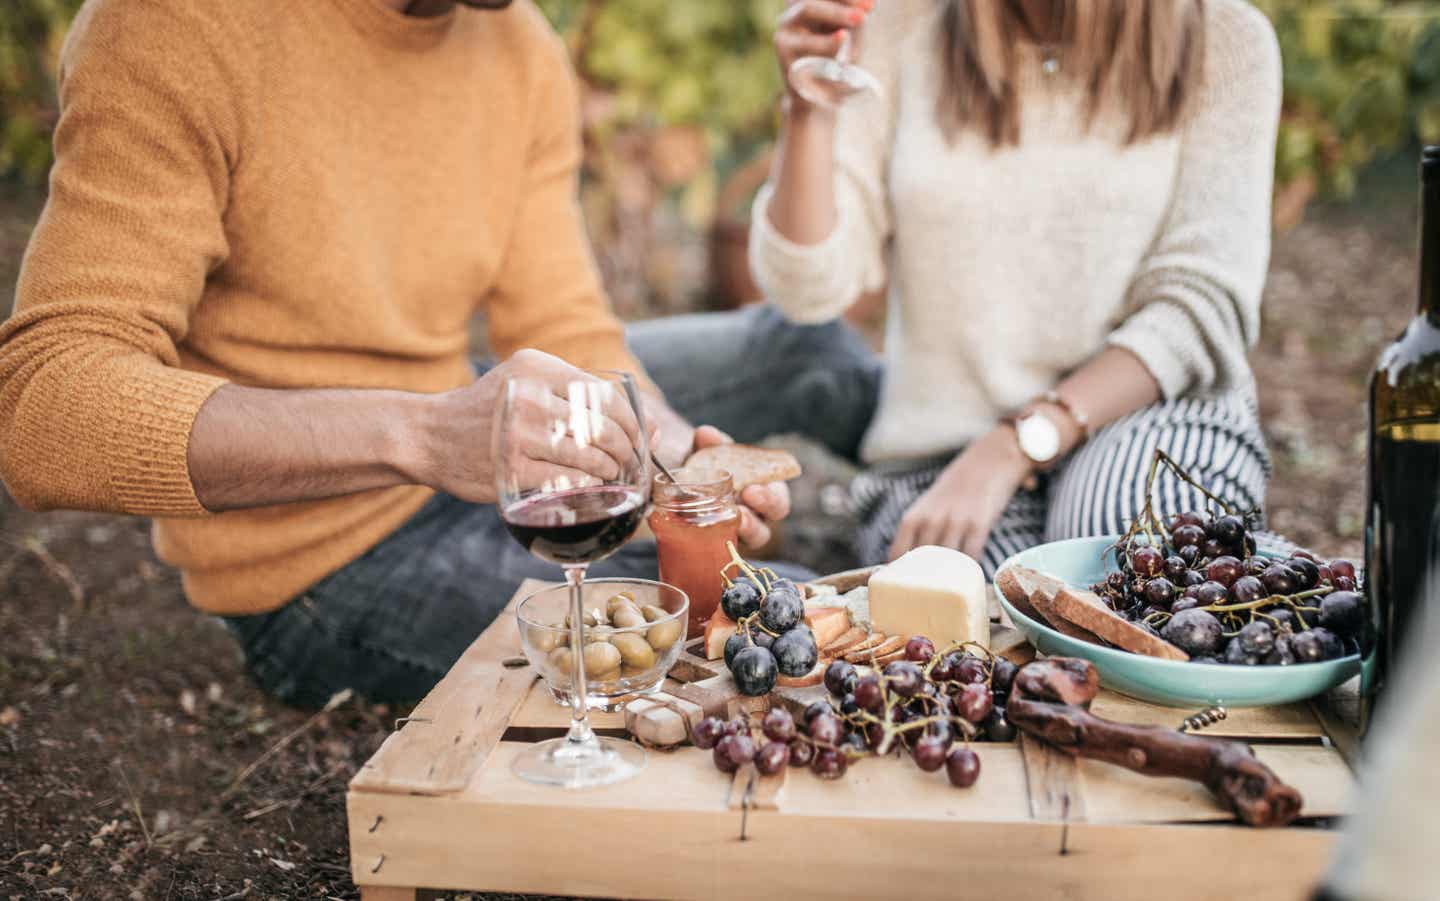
(1193, 308)
(818, 282)
(548, 295)
(95, 412)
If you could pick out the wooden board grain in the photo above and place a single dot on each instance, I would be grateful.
(450, 733)
(1053, 784)
(1290, 722)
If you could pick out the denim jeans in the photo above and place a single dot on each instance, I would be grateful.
(391, 623)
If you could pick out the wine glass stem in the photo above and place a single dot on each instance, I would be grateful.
(580, 733)
(842, 55)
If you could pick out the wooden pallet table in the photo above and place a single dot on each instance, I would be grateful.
(437, 807)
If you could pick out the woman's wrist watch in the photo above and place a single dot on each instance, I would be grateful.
(1039, 435)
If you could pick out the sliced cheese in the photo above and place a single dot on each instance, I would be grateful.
(932, 591)
(828, 624)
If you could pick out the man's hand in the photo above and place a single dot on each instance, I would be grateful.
(457, 450)
(963, 505)
(760, 505)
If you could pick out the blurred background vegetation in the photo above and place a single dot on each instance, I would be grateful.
(680, 109)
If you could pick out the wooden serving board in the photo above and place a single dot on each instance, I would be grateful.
(438, 807)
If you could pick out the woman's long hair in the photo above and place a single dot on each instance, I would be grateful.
(1139, 59)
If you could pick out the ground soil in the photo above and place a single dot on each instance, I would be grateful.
(137, 761)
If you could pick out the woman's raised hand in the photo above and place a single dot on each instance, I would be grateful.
(816, 28)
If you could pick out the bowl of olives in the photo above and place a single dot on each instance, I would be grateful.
(634, 632)
(1262, 624)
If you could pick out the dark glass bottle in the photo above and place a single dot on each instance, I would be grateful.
(1402, 531)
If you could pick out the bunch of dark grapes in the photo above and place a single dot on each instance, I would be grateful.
(929, 705)
(772, 639)
(1202, 587)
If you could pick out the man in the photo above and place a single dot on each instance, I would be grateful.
(244, 314)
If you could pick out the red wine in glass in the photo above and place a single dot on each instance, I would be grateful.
(576, 526)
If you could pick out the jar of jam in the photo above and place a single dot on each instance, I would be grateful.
(692, 522)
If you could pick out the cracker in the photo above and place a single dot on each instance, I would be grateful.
(815, 676)
(748, 465)
(889, 646)
(845, 642)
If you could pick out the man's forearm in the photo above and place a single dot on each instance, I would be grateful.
(253, 447)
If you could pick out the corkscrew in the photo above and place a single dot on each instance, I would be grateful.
(1204, 719)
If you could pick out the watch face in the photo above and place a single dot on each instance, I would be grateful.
(1038, 437)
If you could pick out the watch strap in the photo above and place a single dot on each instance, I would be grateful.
(1078, 415)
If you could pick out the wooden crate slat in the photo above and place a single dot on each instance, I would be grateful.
(1320, 774)
(1290, 722)
(467, 714)
(589, 849)
(538, 710)
(1052, 783)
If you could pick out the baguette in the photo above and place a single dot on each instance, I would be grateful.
(1039, 590)
(747, 465)
(1088, 611)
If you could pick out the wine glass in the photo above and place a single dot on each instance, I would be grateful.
(828, 82)
(573, 482)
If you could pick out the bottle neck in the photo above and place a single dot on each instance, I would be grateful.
(1430, 235)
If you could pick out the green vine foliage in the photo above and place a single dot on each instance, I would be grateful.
(1362, 77)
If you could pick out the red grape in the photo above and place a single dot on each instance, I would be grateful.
(1230, 529)
(919, 649)
(1343, 569)
(1343, 583)
(737, 726)
(826, 729)
(737, 749)
(1225, 570)
(814, 709)
(723, 763)
(929, 753)
(707, 732)
(1279, 579)
(904, 678)
(975, 702)
(828, 764)
(1160, 591)
(801, 753)
(971, 670)
(1187, 536)
(1326, 573)
(1146, 561)
(1247, 589)
(840, 678)
(945, 670)
(772, 758)
(962, 765)
(868, 694)
(778, 725)
(1188, 518)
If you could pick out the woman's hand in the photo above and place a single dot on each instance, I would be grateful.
(963, 505)
(815, 28)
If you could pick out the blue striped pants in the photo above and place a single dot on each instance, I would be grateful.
(1099, 488)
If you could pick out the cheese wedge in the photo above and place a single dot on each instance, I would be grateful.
(932, 591)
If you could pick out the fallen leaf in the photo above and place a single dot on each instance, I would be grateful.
(187, 702)
(9, 717)
(285, 865)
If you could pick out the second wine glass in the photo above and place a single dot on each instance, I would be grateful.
(573, 482)
(829, 82)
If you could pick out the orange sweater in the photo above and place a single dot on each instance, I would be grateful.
(284, 195)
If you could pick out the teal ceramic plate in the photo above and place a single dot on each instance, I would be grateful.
(1079, 562)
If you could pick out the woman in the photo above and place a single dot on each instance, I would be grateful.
(1069, 201)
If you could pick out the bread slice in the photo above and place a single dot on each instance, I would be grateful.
(748, 465)
(814, 677)
(718, 630)
(1038, 591)
(873, 639)
(1089, 612)
(890, 657)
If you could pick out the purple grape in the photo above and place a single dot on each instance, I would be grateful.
(904, 678)
(841, 677)
(828, 764)
(962, 765)
(708, 732)
(772, 758)
(1225, 570)
(778, 725)
(1247, 589)
(929, 753)
(975, 702)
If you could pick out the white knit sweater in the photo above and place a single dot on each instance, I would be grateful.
(1007, 268)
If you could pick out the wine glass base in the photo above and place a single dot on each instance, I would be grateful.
(830, 83)
(564, 763)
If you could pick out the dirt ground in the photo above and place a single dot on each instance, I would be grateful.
(136, 760)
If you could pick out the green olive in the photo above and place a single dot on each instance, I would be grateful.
(589, 618)
(663, 635)
(617, 600)
(628, 617)
(598, 633)
(561, 661)
(544, 640)
(652, 613)
(634, 672)
(601, 657)
(605, 681)
(634, 650)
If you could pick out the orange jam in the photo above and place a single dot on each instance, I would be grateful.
(692, 521)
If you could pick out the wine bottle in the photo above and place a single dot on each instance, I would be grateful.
(1402, 530)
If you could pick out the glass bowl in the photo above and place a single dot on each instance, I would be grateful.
(645, 647)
